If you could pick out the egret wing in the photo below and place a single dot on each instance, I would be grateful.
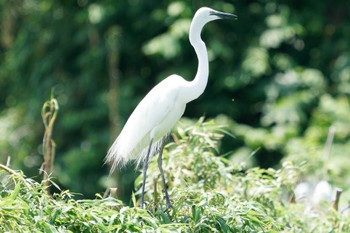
(153, 117)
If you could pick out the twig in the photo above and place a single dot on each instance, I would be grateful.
(110, 192)
(113, 36)
(329, 143)
(8, 161)
(336, 198)
(9, 170)
(48, 113)
(328, 146)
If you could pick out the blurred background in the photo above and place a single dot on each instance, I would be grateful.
(279, 79)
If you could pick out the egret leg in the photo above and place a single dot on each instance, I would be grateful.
(160, 166)
(145, 167)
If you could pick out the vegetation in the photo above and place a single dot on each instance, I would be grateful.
(278, 94)
(281, 72)
(209, 194)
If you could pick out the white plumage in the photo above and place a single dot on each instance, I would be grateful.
(142, 135)
(162, 106)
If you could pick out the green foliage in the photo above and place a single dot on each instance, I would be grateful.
(285, 64)
(209, 194)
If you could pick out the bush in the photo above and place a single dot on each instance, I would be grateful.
(208, 192)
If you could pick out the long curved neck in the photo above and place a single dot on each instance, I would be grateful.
(197, 86)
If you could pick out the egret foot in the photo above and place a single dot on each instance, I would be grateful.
(145, 167)
(169, 206)
(160, 166)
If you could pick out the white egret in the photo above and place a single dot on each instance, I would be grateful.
(143, 134)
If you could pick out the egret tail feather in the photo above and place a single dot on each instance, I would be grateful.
(116, 158)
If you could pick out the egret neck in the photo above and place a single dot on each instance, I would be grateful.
(197, 86)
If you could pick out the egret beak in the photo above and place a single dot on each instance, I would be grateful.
(222, 15)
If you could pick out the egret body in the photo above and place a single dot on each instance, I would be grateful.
(143, 134)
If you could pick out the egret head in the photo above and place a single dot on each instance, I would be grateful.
(203, 16)
(206, 14)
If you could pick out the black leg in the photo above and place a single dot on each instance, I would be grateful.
(160, 166)
(145, 166)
